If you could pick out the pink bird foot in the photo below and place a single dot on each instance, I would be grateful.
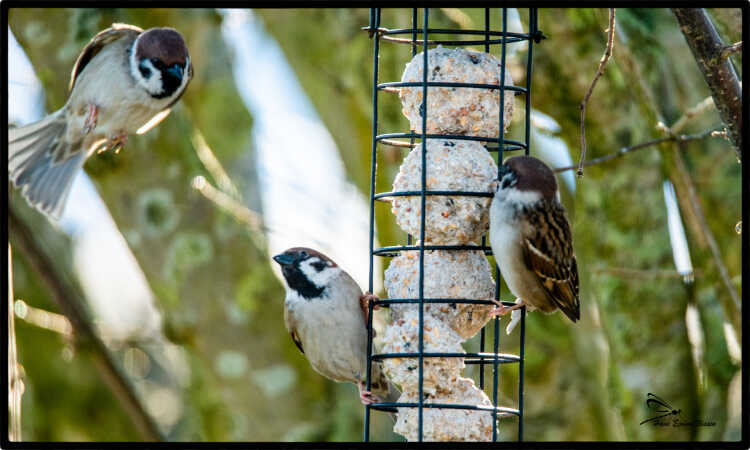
(367, 397)
(502, 310)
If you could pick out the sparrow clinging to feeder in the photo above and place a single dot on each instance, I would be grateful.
(531, 239)
(326, 314)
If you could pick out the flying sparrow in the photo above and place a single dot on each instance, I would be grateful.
(531, 239)
(326, 313)
(125, 81)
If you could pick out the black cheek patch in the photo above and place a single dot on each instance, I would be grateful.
(145, 71)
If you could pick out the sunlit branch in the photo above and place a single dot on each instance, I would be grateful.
(701, 107)
(730, 50)
(214, 167)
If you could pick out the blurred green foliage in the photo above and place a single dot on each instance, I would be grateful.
(221, 303)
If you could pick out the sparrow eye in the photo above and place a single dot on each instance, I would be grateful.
(303, 254)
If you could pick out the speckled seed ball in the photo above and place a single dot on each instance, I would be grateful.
(452, 165)
(437, 373)
(447, 424)
(469, 111)
(447, 274)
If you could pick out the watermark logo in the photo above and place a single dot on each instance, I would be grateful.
(666, 415)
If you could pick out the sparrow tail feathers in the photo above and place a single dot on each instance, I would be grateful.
(35, 166)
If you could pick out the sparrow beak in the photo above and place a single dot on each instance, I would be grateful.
(284, 259)
(176, 71)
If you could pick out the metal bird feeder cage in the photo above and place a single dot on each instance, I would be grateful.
(416, 37)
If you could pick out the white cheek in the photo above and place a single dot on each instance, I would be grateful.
(321, 278)
(522, 197)
(152, 84)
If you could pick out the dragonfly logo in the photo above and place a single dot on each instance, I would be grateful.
(663, 411)
(660, 406)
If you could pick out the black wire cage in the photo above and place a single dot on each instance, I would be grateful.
(458, 37)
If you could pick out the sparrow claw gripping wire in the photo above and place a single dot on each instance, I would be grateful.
(367, 397)
(502, 310)
(364, 302)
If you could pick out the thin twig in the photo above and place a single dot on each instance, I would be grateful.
(701, 107)
(229, 204)
(66, 297)
(625, 150)
(730, 50)
(15, 381)
(214, 167)
(599, 72)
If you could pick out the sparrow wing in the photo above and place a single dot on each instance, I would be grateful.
(548, 252)
(103, 38)
(291, 326)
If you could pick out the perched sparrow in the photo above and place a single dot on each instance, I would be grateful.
(124, 79)
(326, 314)
(531, 239)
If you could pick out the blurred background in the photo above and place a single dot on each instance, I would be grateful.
(168, 243)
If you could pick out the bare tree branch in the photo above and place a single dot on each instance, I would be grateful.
(623, 151)
(733, 307)
(66, 297)
(707, 48)
(599, 72)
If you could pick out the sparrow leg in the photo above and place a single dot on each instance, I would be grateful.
(367, 397)
(91, 118)
(364, 302)
(502, 310)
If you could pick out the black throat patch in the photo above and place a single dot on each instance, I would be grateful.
(300, 283)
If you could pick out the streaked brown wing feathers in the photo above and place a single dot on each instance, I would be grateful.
(548, 252)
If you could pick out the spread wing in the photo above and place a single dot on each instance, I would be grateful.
(103, 38)
(548, 252)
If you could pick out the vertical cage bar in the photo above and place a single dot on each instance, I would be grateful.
(501, 147)
(374, 25)
(413, 54)
(425, 70)
(484, 238)
(532, 32)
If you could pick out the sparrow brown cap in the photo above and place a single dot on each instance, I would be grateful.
(165, 44)
(533, 175)
(311, 252)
